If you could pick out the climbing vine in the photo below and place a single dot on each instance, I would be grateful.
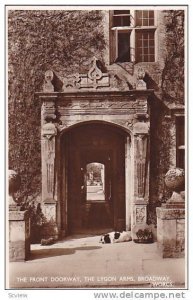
(38, 40)
(173, 72)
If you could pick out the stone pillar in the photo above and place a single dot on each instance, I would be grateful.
(171, 218)
(49, 202)
(170, 231)
(141, 173)
(19, 223)
(128, 183)
(19, 235)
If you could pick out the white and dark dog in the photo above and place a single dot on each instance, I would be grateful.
(116, 237)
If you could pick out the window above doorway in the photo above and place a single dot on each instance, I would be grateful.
(132, 36)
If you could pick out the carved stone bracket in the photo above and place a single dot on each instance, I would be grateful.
(94, 79)
(48, 110)
(49, 130)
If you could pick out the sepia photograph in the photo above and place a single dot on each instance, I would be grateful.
(96, 171)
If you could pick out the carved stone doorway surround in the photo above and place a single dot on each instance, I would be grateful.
(91, 98)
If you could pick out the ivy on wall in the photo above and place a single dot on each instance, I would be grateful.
(173, 72)
(38, 40)
(65, 41)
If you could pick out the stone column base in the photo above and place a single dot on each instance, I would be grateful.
(171, 231)
(49, 228)
(19, 236)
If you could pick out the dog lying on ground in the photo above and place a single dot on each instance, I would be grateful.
(116, 237)
(47, 242)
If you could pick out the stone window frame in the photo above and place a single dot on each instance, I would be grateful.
(132, 30)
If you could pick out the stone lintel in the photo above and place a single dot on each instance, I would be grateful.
(18, 215)
(79, 94)
(48, 96)
(170, 213)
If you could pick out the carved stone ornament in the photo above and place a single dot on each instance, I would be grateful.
(175, 179)
(49, 130)
(48, 86)
(141, 151)
(141, 85)
(140, 214)
(72, 81)
(94, 79)
(94, 73)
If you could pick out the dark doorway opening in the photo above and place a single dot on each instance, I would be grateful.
(95, 171)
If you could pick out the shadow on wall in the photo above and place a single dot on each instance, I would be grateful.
(45, 253)
(151, 84)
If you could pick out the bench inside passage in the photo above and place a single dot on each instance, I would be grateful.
(116, 237)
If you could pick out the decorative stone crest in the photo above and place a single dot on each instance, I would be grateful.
(48, 86)
(94, 79)
(95, 73)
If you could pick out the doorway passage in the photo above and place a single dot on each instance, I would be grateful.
(94, 164)
(95, 182)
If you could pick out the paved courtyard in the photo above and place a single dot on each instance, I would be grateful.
(95, 193)
(80, 261)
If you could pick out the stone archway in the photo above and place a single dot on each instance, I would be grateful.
(81, 145)
(92, 99)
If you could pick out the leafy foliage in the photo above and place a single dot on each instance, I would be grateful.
(173, 72)
(39, 40)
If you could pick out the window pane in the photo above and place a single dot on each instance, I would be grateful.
(151, 22)
(145, 58)
(151, 35)
(145, 13)
(144, 18)
(123, 47)
(145, 35)
(126, 21)
(145, 22)
(121, 21)
(121, 12)
(151, 58)
(151, 50)
(151, 14)
(145, 50)
(151, 43)
(139, 17)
